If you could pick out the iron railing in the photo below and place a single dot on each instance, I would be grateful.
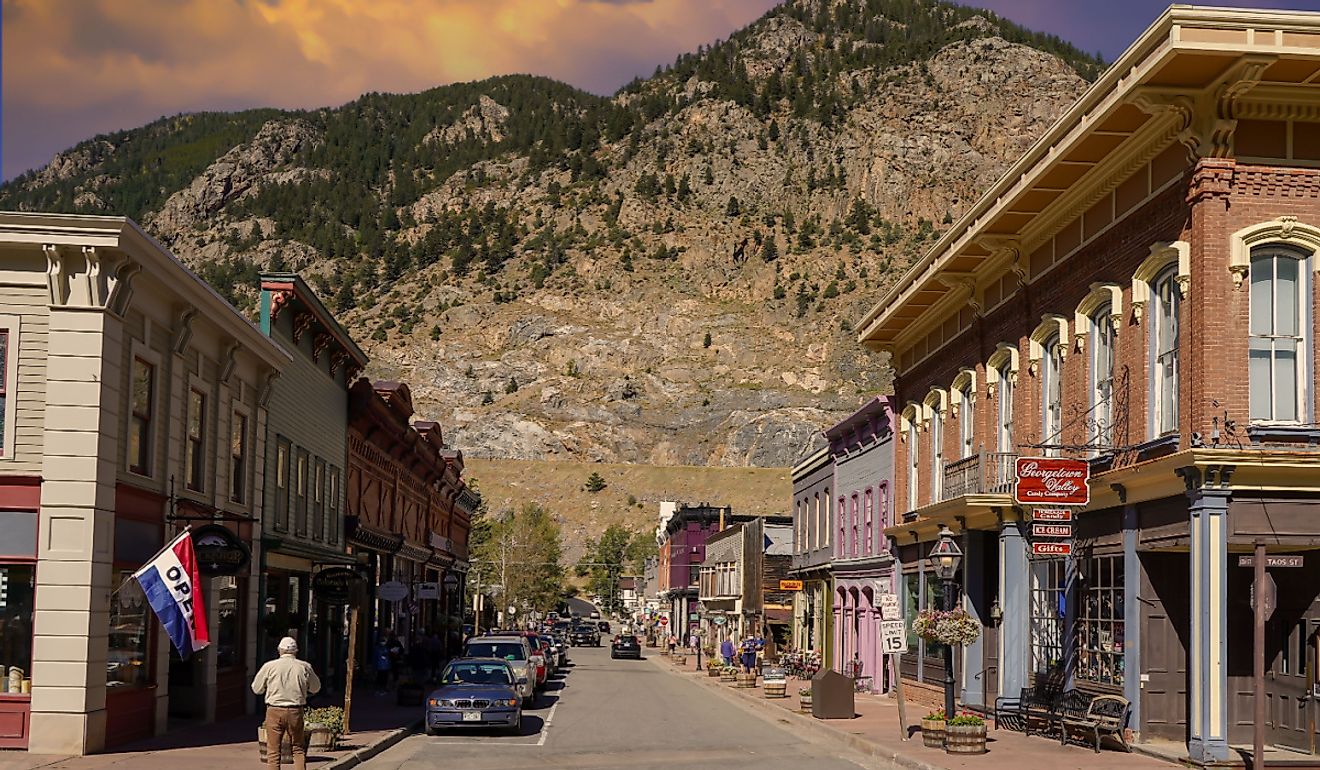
(984, 473)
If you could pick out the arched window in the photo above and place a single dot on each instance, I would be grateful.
(1051, 389)
(962, 394)
(936, 453)
(1277, 346)
(914, 458)
(1102, 376)
(1164, 353)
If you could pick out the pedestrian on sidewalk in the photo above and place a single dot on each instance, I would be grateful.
(673, 643)
(383, 660)
(749, 654)
(286, 682)
(726, 651)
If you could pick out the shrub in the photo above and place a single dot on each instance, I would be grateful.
(594, 483)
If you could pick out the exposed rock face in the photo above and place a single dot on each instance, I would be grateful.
(485, 120)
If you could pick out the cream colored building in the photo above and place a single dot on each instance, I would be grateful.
(134, 402)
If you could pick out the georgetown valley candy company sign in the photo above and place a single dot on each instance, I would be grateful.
(1052, 481)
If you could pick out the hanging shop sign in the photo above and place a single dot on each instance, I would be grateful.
(219, 551)
(392, 591)
(427, 590)
(720, 620)
(336, 585)
(1048, 548)
(1051, 530)
(790, 585)
(1052, 514)
(1052, 481)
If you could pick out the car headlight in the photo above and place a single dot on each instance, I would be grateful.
(511, 702)
(440, 702)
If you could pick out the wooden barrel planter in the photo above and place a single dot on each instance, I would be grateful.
(746, 681)
(728, 676)
(932, 733)
(680, 660)
(319, 737)
(804, 703)
(712, 672)
(965, 739)
(775, 688)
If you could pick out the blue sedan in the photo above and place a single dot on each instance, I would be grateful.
(475, 692)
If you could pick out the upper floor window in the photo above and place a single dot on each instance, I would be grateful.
(1004, 411)
(332, 505)
(825, 519)
(140, 412)
(282, 450)
(966, 421)
(1168, 300)
(238, 455)
(1051, 385)
(1102, 376)
(936, 452)
(842, 545)
(196, 449)
(853, 517)
(868, 524)
(1277, 348)
(913, 436)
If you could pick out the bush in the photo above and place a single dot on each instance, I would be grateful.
(705, 343)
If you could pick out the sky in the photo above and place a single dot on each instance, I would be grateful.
(70, 69)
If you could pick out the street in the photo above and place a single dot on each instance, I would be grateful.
(607, 713)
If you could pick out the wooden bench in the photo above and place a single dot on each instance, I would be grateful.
(1038, 701)
(1102, 715)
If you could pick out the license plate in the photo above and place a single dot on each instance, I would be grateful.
(471, 716)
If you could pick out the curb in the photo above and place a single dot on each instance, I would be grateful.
(367, 752)
(811, 724)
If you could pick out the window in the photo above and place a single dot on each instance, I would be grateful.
(129, 662)
(913, 437)
(881, 518)
(1277, 348)
(868, 523)
(238, 453)
(1168, 299)
(1004, 417)
(17, 589)
(1048, 609)
(1102, 377)
(852, 517)
(9, 335)
(318, 500)
(300, 488)
(227, 593)
(842, 545)
(1100, 621)
(1051, 384)
(139, 425)
(281, 483)
(825, 519)
(936, 453)
(196, 449)
(966, 422)
(332, 505)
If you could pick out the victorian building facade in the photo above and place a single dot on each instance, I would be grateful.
(135, 400)
(813, 552)
(1137, 291)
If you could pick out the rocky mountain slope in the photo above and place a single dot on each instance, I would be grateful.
(666, 276)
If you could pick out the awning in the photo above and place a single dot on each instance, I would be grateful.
(779, 616)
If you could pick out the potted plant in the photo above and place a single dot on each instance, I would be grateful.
(714, 668)
(946, 626)
(966, 734)
(804, 700)
(745, 681)
(933, 729)
(728, 674)
(324, 725)
(775, 688)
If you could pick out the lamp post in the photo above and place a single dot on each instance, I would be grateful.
(944, 560)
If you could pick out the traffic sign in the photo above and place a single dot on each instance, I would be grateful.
(1051, 549)
(664, 621)
(1051, 514)
(1272, 562)
(893, 637)
(1051, 530)
(889, 609)
(1269, 597)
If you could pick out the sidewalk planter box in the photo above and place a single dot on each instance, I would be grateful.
(680, 660)
(728, 676)
(286, 749)
(804, 702)
(965, 739)
(932, 733)
(319, 737)
(775, 688)
(713, 672)
(746, 681)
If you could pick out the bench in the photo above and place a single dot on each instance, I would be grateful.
(1102, 715)
(1038, 701)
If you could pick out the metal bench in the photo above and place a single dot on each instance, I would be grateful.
(1102, 715)
(1038, 701)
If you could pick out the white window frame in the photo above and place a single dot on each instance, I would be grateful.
(14, 325)
(1164, 363)
(1051, 395)
(238, 408)
(966, 422)
(206, 441)
(914, 465)
(936, 453)
(1103, 339)
(1004, 440)
(1271, 341)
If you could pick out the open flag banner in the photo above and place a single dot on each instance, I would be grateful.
(172, 584)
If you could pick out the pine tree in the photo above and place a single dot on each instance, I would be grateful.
(705, 343)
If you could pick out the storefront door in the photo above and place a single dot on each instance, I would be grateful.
(1289, 677)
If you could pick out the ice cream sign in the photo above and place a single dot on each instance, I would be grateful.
(1052, 481)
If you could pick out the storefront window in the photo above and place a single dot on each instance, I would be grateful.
(1100, 622)
(16, 590)
(934, 601)
(128, 661)
(911, 605)
(1048, 608)
(228, 596)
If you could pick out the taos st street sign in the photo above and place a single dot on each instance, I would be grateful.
(1051, 514)
(1051, 530)
(1051, 549)
(1052, 481)
(1272, 562)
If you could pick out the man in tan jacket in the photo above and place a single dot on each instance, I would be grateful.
(286, 682)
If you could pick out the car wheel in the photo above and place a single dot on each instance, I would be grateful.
(432, 731)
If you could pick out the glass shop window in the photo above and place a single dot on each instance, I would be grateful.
(128, 663)
(17, 587)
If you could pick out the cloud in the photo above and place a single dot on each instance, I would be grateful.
(75, 68)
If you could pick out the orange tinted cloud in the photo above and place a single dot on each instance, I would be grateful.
(74, 68)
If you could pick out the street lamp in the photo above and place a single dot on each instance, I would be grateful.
(944, 560)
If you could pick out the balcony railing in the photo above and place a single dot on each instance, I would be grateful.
(985, 473)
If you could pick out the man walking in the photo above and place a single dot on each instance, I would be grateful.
(286, 682)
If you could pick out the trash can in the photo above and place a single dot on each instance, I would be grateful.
(832, 696)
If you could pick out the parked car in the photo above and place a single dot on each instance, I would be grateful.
(604, 626)
(626, 646)
(560, 647)
(515, 650)
(595, 616)
(475, 692)
(584, 636)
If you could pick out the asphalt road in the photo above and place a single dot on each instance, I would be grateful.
(605, 713)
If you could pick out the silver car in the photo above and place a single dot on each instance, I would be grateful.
(513, 649)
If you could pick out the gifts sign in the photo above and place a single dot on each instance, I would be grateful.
(1052, 481)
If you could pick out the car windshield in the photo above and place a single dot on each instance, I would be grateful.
(476, 673)
(627, 639)
(506, 650)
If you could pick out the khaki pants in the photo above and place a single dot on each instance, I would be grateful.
(282, 721)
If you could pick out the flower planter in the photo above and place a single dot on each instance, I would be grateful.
(319, 737)
(932, 733)
(680, 660)
(728, 677)
(286, 749)
(745, 681)
(712, 672)
(965, 739)
(804, 704)
(775, 688)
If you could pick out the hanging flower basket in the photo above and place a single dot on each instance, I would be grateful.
(946, 626)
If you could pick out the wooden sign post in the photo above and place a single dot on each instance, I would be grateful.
(350, 665)
(891, 613)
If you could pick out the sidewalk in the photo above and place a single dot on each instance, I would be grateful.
(377, 725)
(875, 731)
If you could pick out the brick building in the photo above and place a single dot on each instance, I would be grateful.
(1136, 291)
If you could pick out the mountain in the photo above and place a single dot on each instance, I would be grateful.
(664, 276)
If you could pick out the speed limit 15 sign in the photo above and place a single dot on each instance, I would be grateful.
(893, 637)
